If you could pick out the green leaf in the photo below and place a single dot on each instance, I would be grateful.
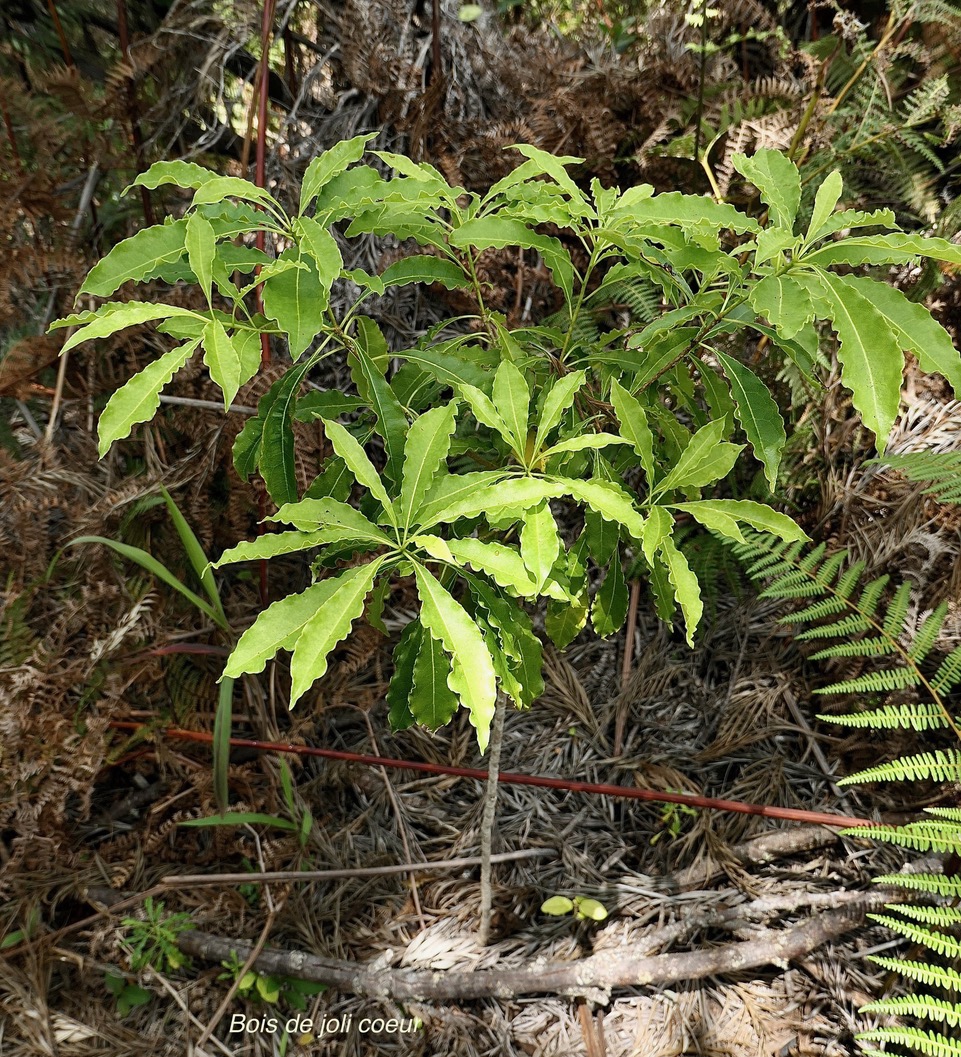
(690, 211)
(322, 249)
(222, 187)
(894, 248)
(559, 398)
(659, 525)
(181, 173)
(142, 256)
(402, 681)
(114, 316)
(758, 414)
(272, 544)
(195, 552)
(503, 564)
(201, 243)
(634, 427)
(330, 164)
(487, 414)
(276, 452)
(602, 537)
(360, 466)
(223, 720)
(610, 500)
(512, 398)
(447, 367)
(583, 442)
(240, 818)
(365, 362)
(326, 404)
(232, 362)
(329, 625)
(684, 584)
(473, 495)
(137, 400)
(150, 563)
(915, 329)
(540, 543)
(871, 358)
(610, 603)
(825, 201)
(428, 442)
(778, 180)
(557, 906)
(555, 167)
(423, 268)
(327, 514)
(722, 515)
(432, 702)
(472, 676)
(783, 301)
(706, 459)
(296, 299)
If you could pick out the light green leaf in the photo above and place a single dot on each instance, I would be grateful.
(220, 748)
(422, 268)
(557, 906)
(706, 459)
(870, 353)
(825, 202)
(512, 399)
(296, 299)
(659, 525)
(503, 564)
(270, 269)
(329, 625)
(486, 413)
(270, 544)
(458, 496)
(222, 187)
(684, 583)
(367, 362)
(322, 249)
(231, 363)
(894, 248)
(195, 553)
(634, 427)
(472, 676)
(915, 329)
(428, 442)
(778, 180)
(142, 256)
(855, 218)
(758, 414)
(432, 702)
(690, 211)
(559, 398)
(555, 167)
(137, 401)
(540, 543)
(610, 500)
(610, 603)
(326, 513)
(240, 818)
(784, 301)
(447, 367)
(435, 546)
(771, 242)
(330, 164)
(114, 316)
(584, 442)
(722, 515)
(360, 466)
(201, 245)
(181, 173)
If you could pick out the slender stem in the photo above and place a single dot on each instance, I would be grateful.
(64, 46)
(700, 81)
(260, 172)
(579, 303)
(11, 135)
(132, 114)
(488, 818)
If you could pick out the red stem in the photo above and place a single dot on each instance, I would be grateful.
(64, 46)
(11, 135)
(629, 792)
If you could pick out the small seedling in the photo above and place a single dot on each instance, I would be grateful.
(582, 908)
(152, 942)
(128, 996)
(270, 989)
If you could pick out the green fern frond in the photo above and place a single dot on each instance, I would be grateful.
(949, 674)
(936, 840)
(850, 625)
(924, 1007)
(875, 682)
(938, 917)
(946, 946)
(943, 765)
(894, 621)
(938, 471)
(928, 633)
(953, 814)
(928, 1043)
(873, 647)
(934, 884)
(916, 715)
(921, 972)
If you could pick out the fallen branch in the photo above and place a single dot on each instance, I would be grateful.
(608, 969)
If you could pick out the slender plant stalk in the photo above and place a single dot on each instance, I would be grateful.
(11, 135)
(700, 81)
(132, 109)
(58, 25)
(437, 62)
(260, 172)
(488, 817)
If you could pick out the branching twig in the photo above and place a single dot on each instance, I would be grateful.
(487, 818)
